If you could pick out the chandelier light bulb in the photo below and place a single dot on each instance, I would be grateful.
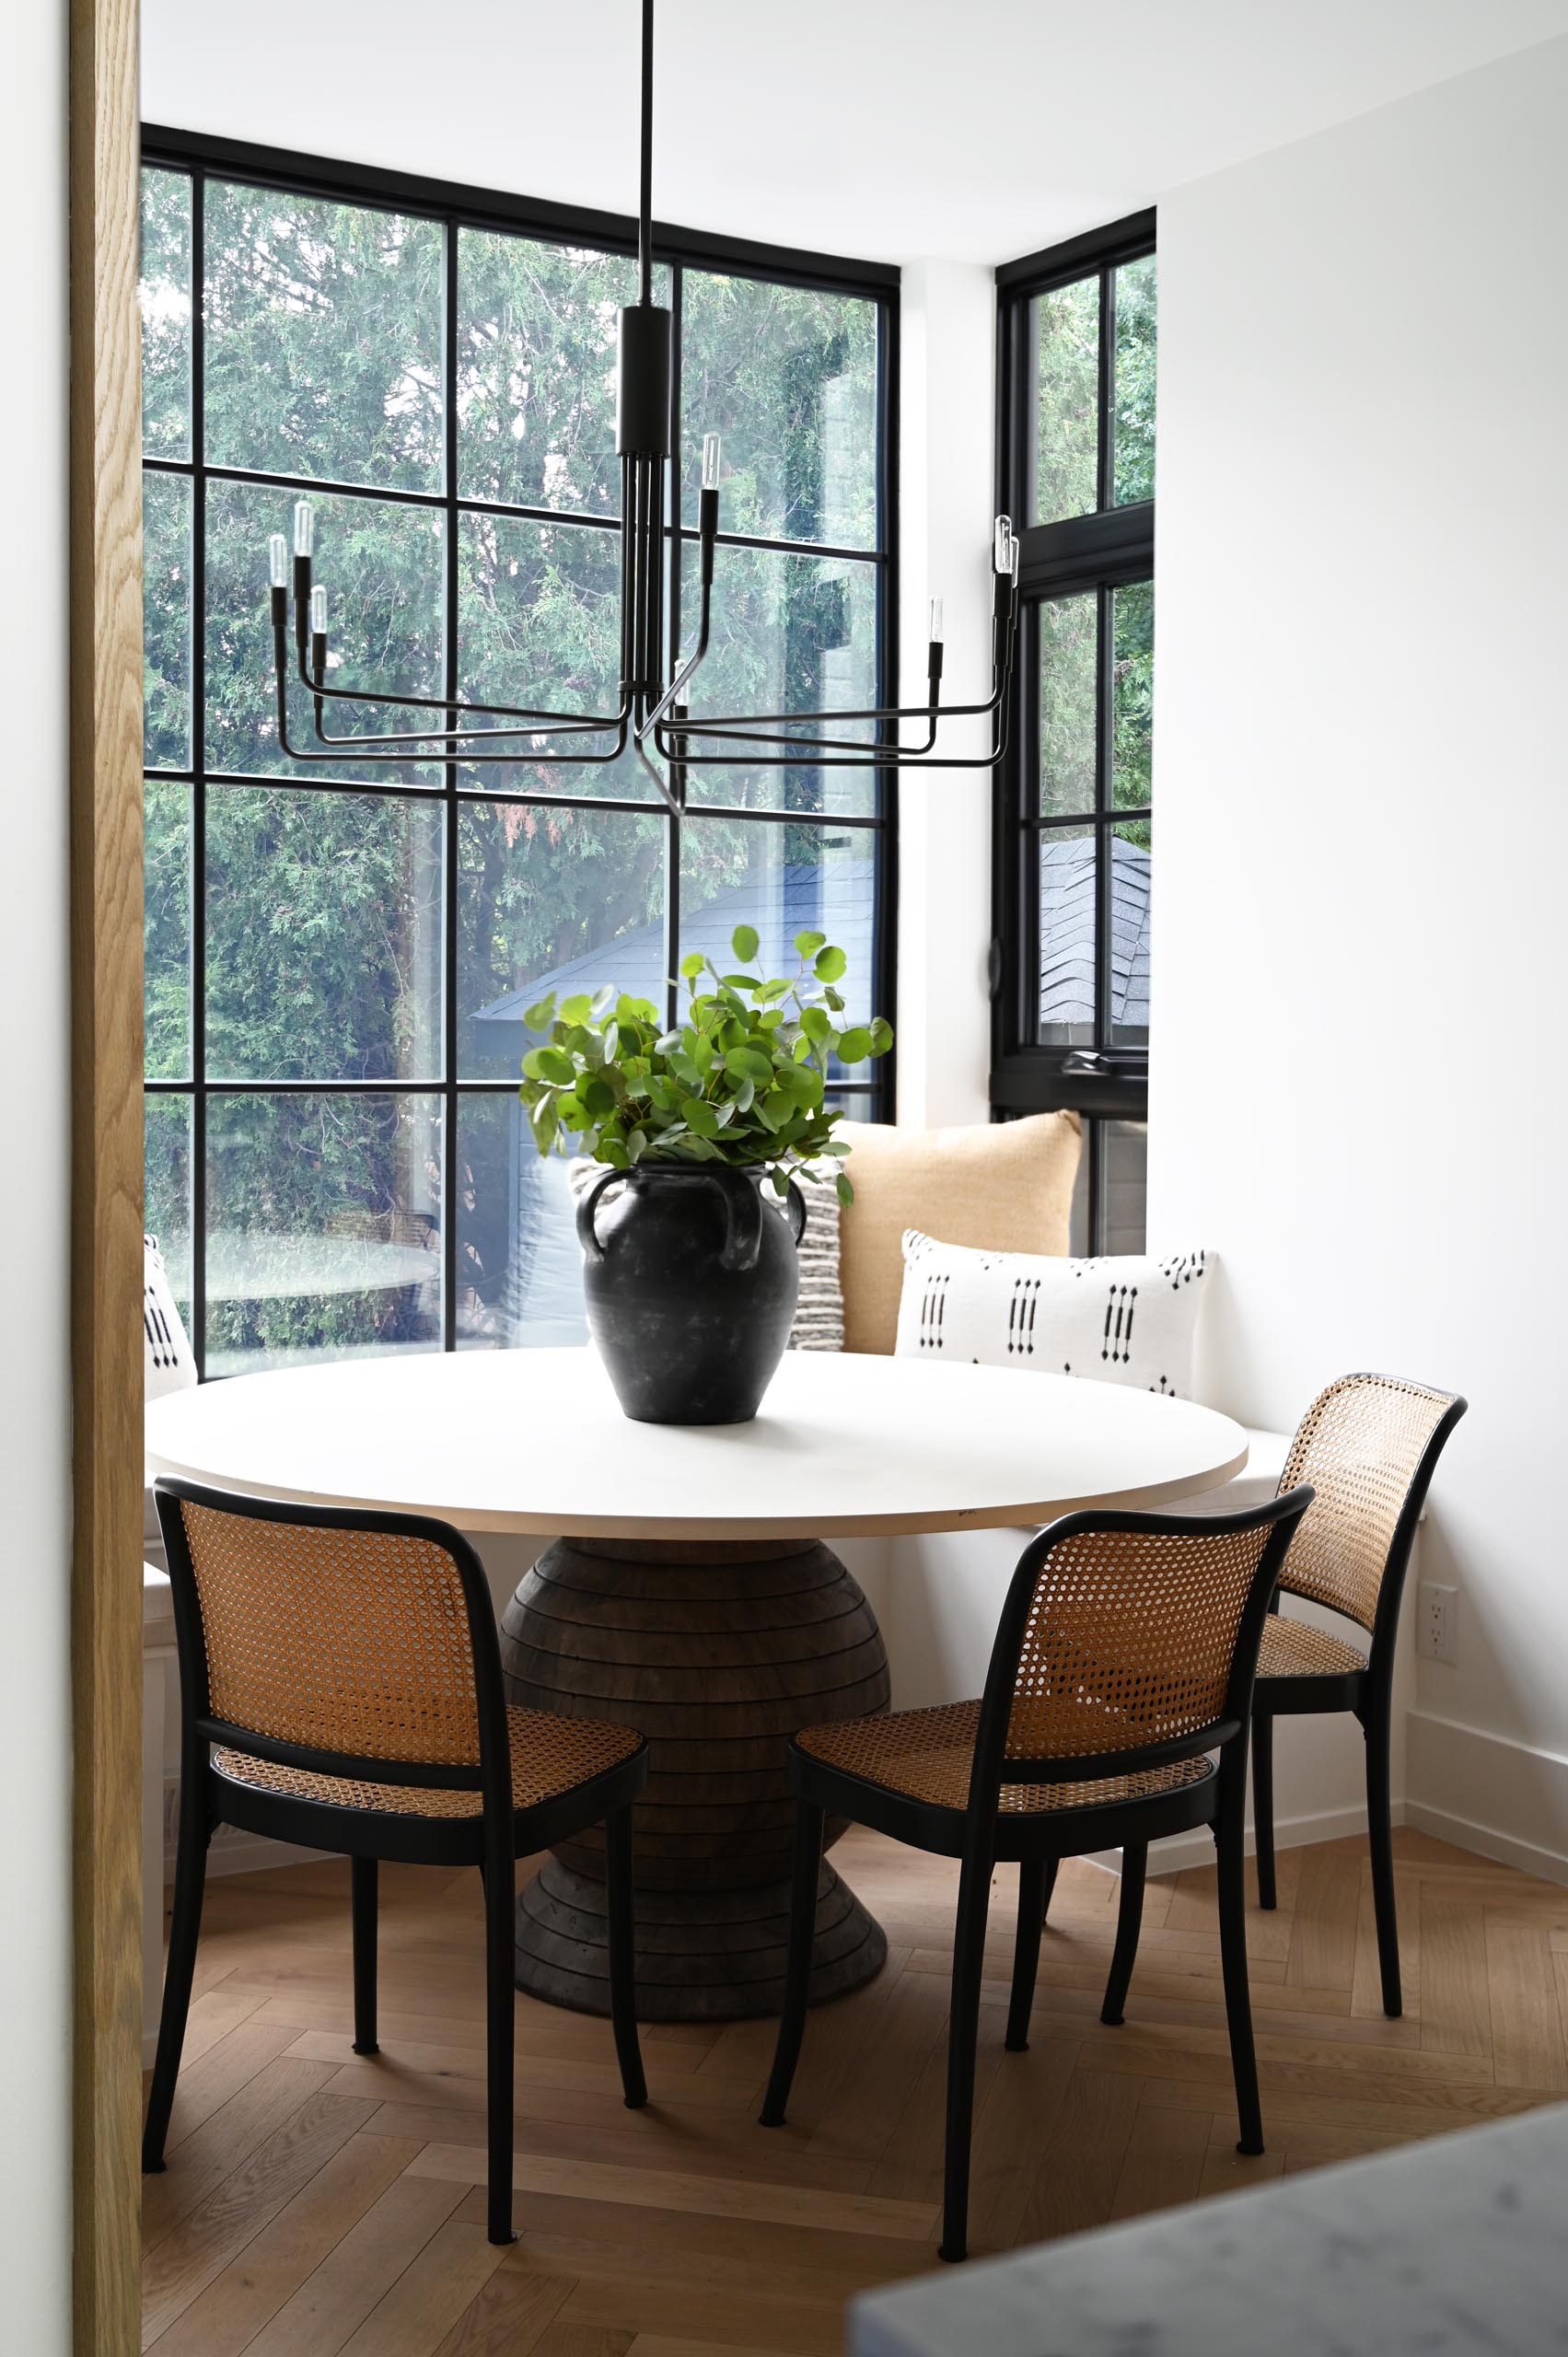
(304, 528)
(318, 610)
(935, 630)
(277, 561)
(712, 450)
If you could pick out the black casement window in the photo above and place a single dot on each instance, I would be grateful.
(1073, 812)
(337, 964)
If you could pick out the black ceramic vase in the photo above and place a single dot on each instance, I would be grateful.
(692, 1286)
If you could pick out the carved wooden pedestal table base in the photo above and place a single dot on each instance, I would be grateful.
(717, 1654)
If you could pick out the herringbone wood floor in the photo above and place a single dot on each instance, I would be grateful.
(315, 2203)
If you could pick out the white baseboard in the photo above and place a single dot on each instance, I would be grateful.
(1488, 1793)
(230, 1851)
(1197, 1849)
(1547, 1865)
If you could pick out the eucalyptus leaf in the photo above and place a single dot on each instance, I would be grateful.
(829, 965)
(744, 943)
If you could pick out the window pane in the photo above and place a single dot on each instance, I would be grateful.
(324, 1228)
(551, 899)
(788, 376)
(1125, 1160)
(1135, 321)
(539, 625)
(536, 329)
(323, 339)
(166, 902)
(1130, 933)
(1132, 696)
(323, 936)
(1067, 937)
(788, 633)
(1065, 328)
(167, 1212)
(383, 568)
(165, 620)
(782, 880)
(166, 315)
(1068, 637)
(519, 1263)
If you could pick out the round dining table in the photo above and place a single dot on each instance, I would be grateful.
(687, 1588)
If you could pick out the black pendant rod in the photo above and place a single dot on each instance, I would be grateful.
(645, 193)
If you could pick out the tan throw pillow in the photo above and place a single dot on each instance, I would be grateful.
(1006, 1186)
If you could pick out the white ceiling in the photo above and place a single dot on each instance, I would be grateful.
(969, 129)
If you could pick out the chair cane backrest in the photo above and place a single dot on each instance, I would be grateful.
(1129, 1634)
(1367, 1444)
(359, 1635)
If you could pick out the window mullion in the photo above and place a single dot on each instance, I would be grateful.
(198, 884)
(450, 1192)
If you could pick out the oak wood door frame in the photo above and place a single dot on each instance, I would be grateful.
(106, 1157)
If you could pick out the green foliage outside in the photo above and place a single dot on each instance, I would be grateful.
(739, 1081)
(325, 953)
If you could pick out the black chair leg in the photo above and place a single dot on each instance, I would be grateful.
(623, 1958)
(365, 1879)
(1263, 1804)
(1050, 1891)
(1128, 1923)
(963, 2032)
(797, 1965)
(1230, 1848)
(185, 1926)
(1380, 1834)
(500, 1933)
(1035, 1877)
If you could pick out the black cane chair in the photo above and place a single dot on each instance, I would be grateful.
(1125, 1653)
(340, 1687)
(1369, 1446)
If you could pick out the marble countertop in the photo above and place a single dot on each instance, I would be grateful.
(1447, 2247)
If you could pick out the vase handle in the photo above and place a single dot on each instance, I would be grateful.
(588, 1203)
(796, 1201)
(743, 1219)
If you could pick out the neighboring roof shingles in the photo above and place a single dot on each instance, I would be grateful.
(1067, 931)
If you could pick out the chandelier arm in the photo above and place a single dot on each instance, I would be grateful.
(884, 756)
(339, 748)
(582, 724)
(677, 803)
(744, 725)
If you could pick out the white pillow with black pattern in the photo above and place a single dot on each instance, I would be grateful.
(1127, 1318)
(169, 1361)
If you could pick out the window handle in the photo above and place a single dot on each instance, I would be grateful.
(1087, 1060)
(993, 967)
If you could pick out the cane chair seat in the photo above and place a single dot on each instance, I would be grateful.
(550, 1754)
(928, 1755)
(1295, 1649)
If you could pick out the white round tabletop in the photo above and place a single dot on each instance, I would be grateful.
(534, 1441)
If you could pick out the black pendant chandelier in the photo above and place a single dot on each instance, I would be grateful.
(653, 716)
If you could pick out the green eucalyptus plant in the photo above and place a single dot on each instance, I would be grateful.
(740, 1080)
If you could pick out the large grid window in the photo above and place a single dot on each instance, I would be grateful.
(1073, 816)
(337, 963)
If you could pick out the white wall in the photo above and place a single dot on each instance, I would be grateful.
(35, 1753)
(947, 498)
(1361, 978)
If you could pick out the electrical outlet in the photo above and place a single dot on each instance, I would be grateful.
(1437, 1622)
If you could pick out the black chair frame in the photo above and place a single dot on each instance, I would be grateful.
(492, 1841)
(981, 1836)
(1367, 1694)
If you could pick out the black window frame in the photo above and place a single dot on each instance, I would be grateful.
(1097, 553)
(459, 206)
